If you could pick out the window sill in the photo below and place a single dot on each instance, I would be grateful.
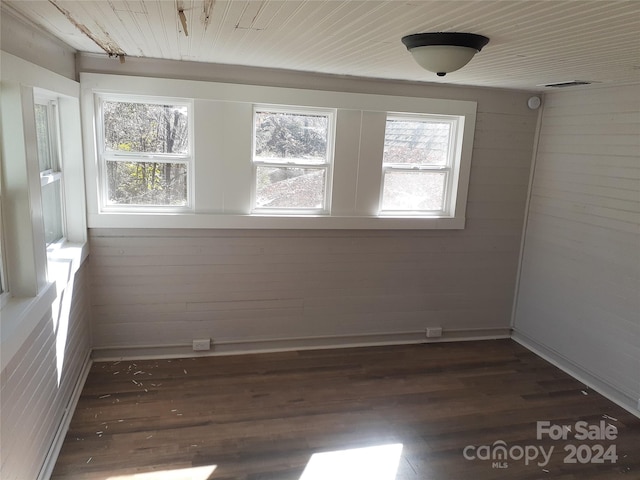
(306, 222)
(21, 315)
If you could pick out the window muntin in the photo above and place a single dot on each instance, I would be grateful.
(51, 178)
(418, 161)
(292, 156)
(145, 150)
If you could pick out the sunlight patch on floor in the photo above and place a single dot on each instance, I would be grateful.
(373, 463)
(192, 473)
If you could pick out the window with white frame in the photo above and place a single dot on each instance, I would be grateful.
(145, 150)
(420, 154)
(292, 156)
(274, 157)
(48, 147)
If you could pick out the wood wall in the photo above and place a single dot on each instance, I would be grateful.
(34, 393)
(165, 287)
(579, 294)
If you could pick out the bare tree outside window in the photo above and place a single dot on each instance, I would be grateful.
(291, 159)
(146, 149)
(291, 136)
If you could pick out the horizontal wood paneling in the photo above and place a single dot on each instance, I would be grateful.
(34, 394)
(579, 291)
(166, 287)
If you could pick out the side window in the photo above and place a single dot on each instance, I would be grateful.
(420, 155)
(48, 145)
(4, 293)
(145, 151)
(292, 158)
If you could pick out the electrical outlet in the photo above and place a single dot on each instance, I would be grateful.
(434, 332)
(200, 344)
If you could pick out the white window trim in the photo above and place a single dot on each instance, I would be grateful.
(451, 168)
(326, 166)
(104, 156)
(31, 294)
(223, 149)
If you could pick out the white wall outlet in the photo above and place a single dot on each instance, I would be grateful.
(434, 332)
(201, 344)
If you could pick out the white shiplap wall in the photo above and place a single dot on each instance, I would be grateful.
(579, 295)
(34, 395)
(260, 289)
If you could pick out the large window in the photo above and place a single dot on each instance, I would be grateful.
(418, 159)
(292, 152)
(271, 157)
(48, 144)
(145, 150)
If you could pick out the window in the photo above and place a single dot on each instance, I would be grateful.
(418, 161)
(4, 294)
(145, 151)
(271, 157)
(292, 152)
(48, 147)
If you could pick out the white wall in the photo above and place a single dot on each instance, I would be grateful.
(44, 327)
(261, 289)
(37, 384)
(579, 294)
(20, 37)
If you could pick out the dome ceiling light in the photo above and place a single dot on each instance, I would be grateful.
(444, 52)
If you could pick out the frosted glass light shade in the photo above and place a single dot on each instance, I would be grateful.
(442, 58)
(444, 52)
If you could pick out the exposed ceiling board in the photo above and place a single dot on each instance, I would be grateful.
(532, 42)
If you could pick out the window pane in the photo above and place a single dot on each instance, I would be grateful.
(420, 191)
(146, 183)
(291, 137)
(2, 280)
(42, 138)
(145, 128)
(286, 187)
(416, 142)
(52, 212)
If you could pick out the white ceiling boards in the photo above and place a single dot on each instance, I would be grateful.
(531, 42)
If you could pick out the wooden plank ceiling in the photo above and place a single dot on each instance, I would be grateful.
(532, 42)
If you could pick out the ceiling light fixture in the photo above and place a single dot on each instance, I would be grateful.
(444, 52)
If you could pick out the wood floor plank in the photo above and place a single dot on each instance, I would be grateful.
(263, 416)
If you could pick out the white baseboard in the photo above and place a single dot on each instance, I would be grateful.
(54, 450)
(239, 347)
(603, 388)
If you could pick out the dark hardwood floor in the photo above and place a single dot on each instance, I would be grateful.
(263, 416)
